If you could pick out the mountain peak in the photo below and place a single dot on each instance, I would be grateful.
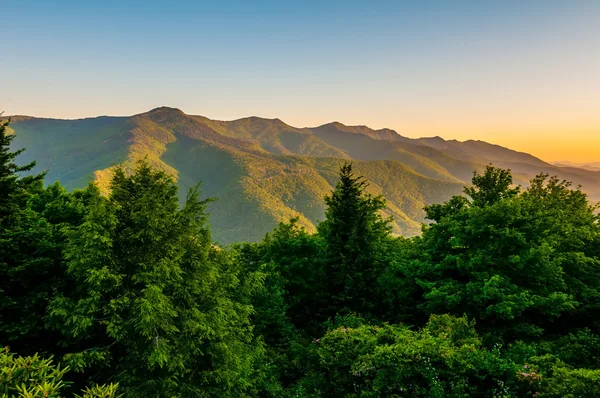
(336, 125)
(166, 110)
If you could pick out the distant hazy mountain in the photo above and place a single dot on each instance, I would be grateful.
(264, 171)
(592, 166)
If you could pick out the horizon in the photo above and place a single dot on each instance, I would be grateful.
(523, 76)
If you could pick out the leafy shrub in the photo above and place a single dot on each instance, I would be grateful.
(36, 377)
(572, 383)
(444, 359)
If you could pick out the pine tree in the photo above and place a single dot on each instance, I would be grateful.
(30, 256)
(157, 308)
(13, 186)
(354, 234)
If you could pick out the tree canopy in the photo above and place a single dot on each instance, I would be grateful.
(127, 294)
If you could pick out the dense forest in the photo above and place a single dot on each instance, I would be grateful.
(127, 294)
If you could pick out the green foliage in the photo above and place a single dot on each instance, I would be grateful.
(499, 297)
(104, 391)
(289, 308)
(400, 296)
(445, 359)
(354, 235)
(30, 376)
(156, 306)
(509, 260)
(32, 221)
(36, 377)
(13, 187)
(291, 257)
(491, 186)
(572, 383)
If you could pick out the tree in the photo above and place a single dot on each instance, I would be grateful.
(354, 235)
(503, 258)
(290, 258)
(491, 186)
(565, 218)
(157, 307)
(34, 270)
(288, 310)
(13, 186)
(30, 252)
(400, 298)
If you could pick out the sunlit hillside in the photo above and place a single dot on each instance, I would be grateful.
(267, 170)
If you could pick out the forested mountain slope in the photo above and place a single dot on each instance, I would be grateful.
(267, 170)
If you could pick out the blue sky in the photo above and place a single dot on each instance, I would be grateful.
(511, 72)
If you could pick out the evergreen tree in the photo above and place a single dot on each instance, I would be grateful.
(157, 307)
(355, 236)
(30, 255)
(13, 186)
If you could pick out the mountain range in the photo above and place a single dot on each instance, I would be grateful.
(592, 166)
(263, 171)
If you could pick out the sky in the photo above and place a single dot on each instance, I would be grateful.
(519, 73)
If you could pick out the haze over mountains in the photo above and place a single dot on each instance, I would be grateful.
(593, 166)
(269, 171)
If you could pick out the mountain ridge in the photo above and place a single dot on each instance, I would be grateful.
(267, 170)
